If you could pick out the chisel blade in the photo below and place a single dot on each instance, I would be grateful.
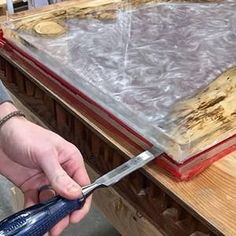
(128, 167)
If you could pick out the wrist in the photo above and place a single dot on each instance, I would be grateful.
(9, 116)
(8, 113)
(6, 108)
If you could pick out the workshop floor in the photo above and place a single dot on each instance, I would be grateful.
(94, 223)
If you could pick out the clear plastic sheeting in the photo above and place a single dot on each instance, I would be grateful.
(150, 67)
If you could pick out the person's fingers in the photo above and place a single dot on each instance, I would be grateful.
(31, 198)
(76, 168)
(81, 177)
(69, 170)
(77, 171)
(66, 180)
(46, 192)
(62, 183)
(76, 216)
(59, 227)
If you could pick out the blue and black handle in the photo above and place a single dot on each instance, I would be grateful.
(39, 219)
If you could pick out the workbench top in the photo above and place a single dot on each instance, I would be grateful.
(211, 195)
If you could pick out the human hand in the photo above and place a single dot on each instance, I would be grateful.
(32, 157)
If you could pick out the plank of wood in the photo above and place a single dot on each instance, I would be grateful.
(65, 9)
(58, 9)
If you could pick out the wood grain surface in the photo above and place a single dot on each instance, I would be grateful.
(211, 195)
(101, 9)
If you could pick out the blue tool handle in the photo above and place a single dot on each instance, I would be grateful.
(40, 218)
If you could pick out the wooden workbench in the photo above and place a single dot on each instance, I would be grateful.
(148, 202)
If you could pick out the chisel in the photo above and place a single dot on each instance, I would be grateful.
(40, 218)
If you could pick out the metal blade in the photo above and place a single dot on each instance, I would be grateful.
(128, 167)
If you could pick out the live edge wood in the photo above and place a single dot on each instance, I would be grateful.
(203, 206)
(57, 13)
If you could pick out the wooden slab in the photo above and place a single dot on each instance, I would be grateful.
(71, 7)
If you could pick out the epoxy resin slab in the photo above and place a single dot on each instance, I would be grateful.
(157, 67)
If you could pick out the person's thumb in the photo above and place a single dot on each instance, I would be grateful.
(61, 182)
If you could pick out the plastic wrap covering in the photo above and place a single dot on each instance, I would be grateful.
(156, 67)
